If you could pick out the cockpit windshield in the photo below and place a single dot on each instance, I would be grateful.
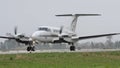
(43, 29)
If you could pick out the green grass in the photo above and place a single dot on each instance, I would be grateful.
(61, 60)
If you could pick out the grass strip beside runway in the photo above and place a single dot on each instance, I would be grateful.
(61, 60)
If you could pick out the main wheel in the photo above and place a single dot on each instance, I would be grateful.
(29, 48)
(72, 48)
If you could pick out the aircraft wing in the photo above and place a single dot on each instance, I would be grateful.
(25, 41)
(7, 37)
(95, 36)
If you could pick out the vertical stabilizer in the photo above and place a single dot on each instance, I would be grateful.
(75, 17)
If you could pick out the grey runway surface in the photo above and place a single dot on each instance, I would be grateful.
(57, 50)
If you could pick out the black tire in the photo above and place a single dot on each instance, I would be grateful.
(28, 48)
(72, 48)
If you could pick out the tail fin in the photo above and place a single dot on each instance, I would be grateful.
(75, 17)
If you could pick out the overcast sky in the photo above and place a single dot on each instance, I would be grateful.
(29, 14)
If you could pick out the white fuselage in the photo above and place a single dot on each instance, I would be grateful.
(48, 34)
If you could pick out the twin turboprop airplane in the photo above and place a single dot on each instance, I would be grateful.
(46, 34)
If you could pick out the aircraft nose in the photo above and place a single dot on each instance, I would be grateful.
(35, 35)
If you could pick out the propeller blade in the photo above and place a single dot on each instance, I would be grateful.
(15, 30)
(61, 29)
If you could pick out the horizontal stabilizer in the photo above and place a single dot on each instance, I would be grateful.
(79, 15)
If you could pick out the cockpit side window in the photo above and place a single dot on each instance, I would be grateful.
(56, 31)
(44, 29)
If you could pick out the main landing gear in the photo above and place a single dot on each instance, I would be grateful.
(29, 48)
(72, 47)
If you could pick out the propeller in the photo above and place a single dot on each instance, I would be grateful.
(15, 30)
(61, 30)
(15, 33)
(61, 34)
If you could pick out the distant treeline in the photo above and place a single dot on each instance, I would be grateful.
(13, 45)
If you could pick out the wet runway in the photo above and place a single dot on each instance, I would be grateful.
(57, 50)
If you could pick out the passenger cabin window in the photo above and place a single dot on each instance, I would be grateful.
(44, 29)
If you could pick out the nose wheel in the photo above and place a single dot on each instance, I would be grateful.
(29, 48)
